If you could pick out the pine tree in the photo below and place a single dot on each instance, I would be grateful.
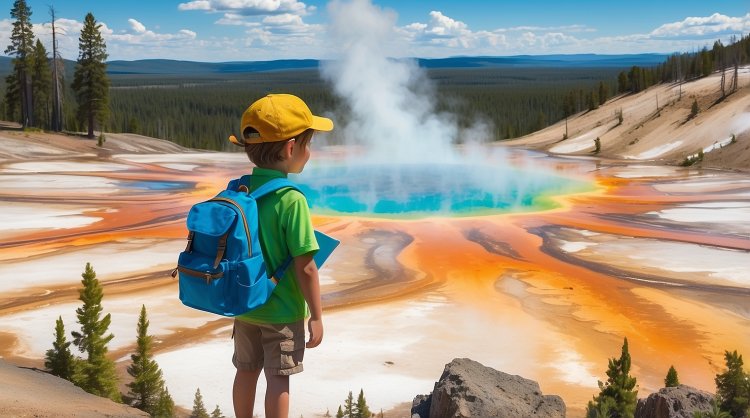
(733, 386)
(59, 360)
(147, 384)
(90, 82)
(603, 93)
(41, 86)
(349, 406)
(601, 409)
(671, 380)
(199, 409)
(340, 413)
(361, 409)
(592, 100)
(12, 97)
(165, 405)
(97, 374)
(217, 413)
(619, 389)
(22, 46)
(622, 82)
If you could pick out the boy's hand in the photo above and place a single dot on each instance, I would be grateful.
(315, 326)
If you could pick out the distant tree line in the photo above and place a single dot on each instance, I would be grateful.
(681, 67)
(201, 112)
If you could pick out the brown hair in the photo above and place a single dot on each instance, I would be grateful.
(267, 153)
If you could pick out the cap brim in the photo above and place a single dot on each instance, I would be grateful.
(321, 124)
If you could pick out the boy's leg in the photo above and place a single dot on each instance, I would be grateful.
(284, 349)
(243, 392)
(277, 396)
(248, 359)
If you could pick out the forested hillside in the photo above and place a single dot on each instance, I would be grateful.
(202, 111)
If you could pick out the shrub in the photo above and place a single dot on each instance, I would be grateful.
(671, 380)
(694, 109)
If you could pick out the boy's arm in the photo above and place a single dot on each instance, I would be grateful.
(307, 277)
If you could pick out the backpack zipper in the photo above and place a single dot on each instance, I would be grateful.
(207, 276)
(244, 221)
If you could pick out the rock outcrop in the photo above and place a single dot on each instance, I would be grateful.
(33, 393)
(674, 402)
(469, 389)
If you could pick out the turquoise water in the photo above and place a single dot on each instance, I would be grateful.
(423, 190)
(156, 185)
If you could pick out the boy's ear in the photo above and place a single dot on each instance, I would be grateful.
(288, 148)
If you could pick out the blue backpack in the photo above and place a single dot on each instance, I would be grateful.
(222, 268)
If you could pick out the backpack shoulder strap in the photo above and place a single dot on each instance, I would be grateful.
(234, 184)
(273, 185)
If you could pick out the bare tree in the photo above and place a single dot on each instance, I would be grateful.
(57, 71)
(737, 58)
(720, 57)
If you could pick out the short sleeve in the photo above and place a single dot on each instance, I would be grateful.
(298, 228)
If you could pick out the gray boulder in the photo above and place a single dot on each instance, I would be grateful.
(675, 402)
(469, 389)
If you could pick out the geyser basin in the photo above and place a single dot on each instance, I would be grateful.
(425, 190)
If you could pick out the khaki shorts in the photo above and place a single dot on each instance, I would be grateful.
(277, 348)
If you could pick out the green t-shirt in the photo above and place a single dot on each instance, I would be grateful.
(285, 228)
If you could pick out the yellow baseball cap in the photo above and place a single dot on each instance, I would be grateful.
(278, 117)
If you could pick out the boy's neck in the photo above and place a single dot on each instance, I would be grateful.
(278, 166)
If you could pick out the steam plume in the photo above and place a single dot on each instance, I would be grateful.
(391, 102)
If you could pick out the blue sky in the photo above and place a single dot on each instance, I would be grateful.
(234, 30)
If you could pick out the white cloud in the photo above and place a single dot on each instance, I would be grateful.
(442, 30)
(442, 25)
(568, 28)
(233, 19)
(195, 5)
(282, 20)
(6, 28)
(137, 26)
(248, 7)
(290, 24)
(442, 35)
(135, 43)
(145, 37)
(703, 27)
(188, 33)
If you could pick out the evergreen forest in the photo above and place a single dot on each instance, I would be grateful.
(201, 112)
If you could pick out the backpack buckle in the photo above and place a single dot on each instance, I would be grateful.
(207, 276)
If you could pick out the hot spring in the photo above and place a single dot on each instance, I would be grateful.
(432, 190)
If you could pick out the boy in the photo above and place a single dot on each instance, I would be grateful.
(276, 133)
